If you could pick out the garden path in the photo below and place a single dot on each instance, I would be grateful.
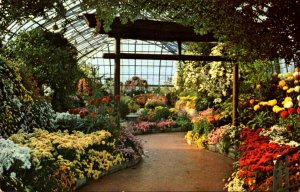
(169, 164)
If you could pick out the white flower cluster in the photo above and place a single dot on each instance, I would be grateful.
(11, 154)
(235, 183)
(213, 78)
(48, 92)
(65, 116)
(280, 135)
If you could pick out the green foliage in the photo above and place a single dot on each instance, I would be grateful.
(66, 121)
(52, 61)
(292, 122)
(183, 122)
(270, 31)
(258, 76)
(202, 127)
(125, 101)
(161, 113)
(11, 11)
(153, 103)
(263, 119)
(18, 109)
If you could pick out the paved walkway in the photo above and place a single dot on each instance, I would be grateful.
(169, 165)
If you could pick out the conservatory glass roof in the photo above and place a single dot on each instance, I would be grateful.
(91, 47)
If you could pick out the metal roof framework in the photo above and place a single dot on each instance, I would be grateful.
(75, 30)
(89, 45)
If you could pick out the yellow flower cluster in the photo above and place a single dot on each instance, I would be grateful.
(43, 143)
(75, 155)
(270, 103)
(99, 161)
(188, 98)
(172, 110)
(289, 82)
(199, 140)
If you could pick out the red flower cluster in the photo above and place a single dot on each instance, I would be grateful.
(104, 99)
(290, 111)
(257, 157)
(74, 111)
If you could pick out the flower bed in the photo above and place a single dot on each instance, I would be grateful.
(255, 166)
(62, 158)
(152, 127)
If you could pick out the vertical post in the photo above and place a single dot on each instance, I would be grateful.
(287, 173)
(117, 78)
(235, 95)
(179, 47)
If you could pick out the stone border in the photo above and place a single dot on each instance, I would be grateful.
(232, 152)
(113, 169)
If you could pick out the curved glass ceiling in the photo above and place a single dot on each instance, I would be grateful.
(91, 47)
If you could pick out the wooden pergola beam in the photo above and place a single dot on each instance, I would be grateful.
(164, 57)
(158, 31)
(149, 30)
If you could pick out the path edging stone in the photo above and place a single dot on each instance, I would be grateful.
(113, 169)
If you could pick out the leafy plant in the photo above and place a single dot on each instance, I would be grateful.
(161, 113)
(19, 109)
(202, 127)
(125, 101)
(183, 122)
(262, 119)
(52, 60)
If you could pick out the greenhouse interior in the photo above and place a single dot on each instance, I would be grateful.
(146, 95)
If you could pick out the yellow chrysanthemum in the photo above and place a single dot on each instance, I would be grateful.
(263, 103)
(256, 107)
(277, 109)
(285, 88)
(272, 102)
(287, 99)
(281, 83)
(290, 90)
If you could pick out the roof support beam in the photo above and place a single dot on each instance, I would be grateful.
(149, 30)
(164, 57)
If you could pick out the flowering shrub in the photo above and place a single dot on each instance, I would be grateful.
(14, 160)
(145, 126)
(98, 114)
(280, 135)
(214, 136)
(18, 108)
(63, 158)
(287, 85)
(235, 183)
(129, 145)
(213, 78)
(164, 124)
(255, 166)
(199, 140)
